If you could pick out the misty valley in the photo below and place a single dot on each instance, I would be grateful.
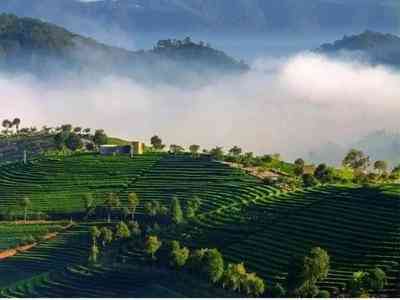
(199, 149)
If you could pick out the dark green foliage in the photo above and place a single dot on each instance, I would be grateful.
(156, 142)
(309, 180)
(305, 272)
(106, 236)
(122, 231)
(278, 291)
(100, 138)
(73, 142)
(324, 173)
(217, 153)
(323, 294)
(152, 245)
(356, 159)
(213, 265)
(178, 255)
(192, 207)
(364, 282)
(176, 211)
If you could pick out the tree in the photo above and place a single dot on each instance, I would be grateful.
(253, 285)
(381, 166)
(299, 166)
(122, 231)
(94, 233)
(213, 265)
(176, 211)
(176, 149)
(94, 253)
(356, 159)
(323, 173)
(194, 149)
(156, 142)
(73, 142)
(305, 272)
(217, 153)
(133, 203)
(16, 122)
(60, 138)
(309, 180)
(192, 207)
(7, 125)
(106, 236)
(235, 151)
(376, 279)
(78, 130)
(233, 276)
(89, 203)
(100, 137)
(179, 255)
(25, 203)
(152, 245)
(278, 291)
(134, 227)
(66, 128)
(111, 202)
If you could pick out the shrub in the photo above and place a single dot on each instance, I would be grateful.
(278, 291)
(213, 265)
(323, 294)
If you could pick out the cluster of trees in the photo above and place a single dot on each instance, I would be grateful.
(8, 124)
(111, 204)
(175, 43)
(102, 237)
(364, 283)
(175, 213)
(72, 138)
(209, 264)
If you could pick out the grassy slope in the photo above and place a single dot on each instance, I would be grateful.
(246, 220)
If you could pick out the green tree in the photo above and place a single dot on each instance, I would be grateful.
(94, 234)
(106, 236)
(122, 231)
(133, 203)
(305, 272)
(94, 253)
(213, 265)
(234, 276)
(60, 138)
(7, 125)
(25, 203)
(309, 180)
(152, 245)
(156, 142)
(356, 159)
(176, 149)
(324, 173)
(192, 207)
(111, 202)
(381, 166)
(179, 255)
(100, 137)
(16, 122)
(194, 149)
(134, 227)
(73, 142)
(217, 153)
(299, 166)
(278, 291)
(176, 211)
(376, 279)
(253, 285)
(89, 203)
(235, 151)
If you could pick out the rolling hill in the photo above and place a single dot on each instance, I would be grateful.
(376, 47)
(42, 48)
(245, 219)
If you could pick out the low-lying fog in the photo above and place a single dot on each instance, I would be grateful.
(287, 105)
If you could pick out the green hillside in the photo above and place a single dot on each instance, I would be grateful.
(247, 220)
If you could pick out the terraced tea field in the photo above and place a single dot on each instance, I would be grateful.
(12, 234)
(247, 220)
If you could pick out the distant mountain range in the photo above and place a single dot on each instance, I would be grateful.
(380, 144)
(42, 48)
(377, 48)
(214, 16)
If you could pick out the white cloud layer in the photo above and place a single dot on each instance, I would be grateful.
(287, 106)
